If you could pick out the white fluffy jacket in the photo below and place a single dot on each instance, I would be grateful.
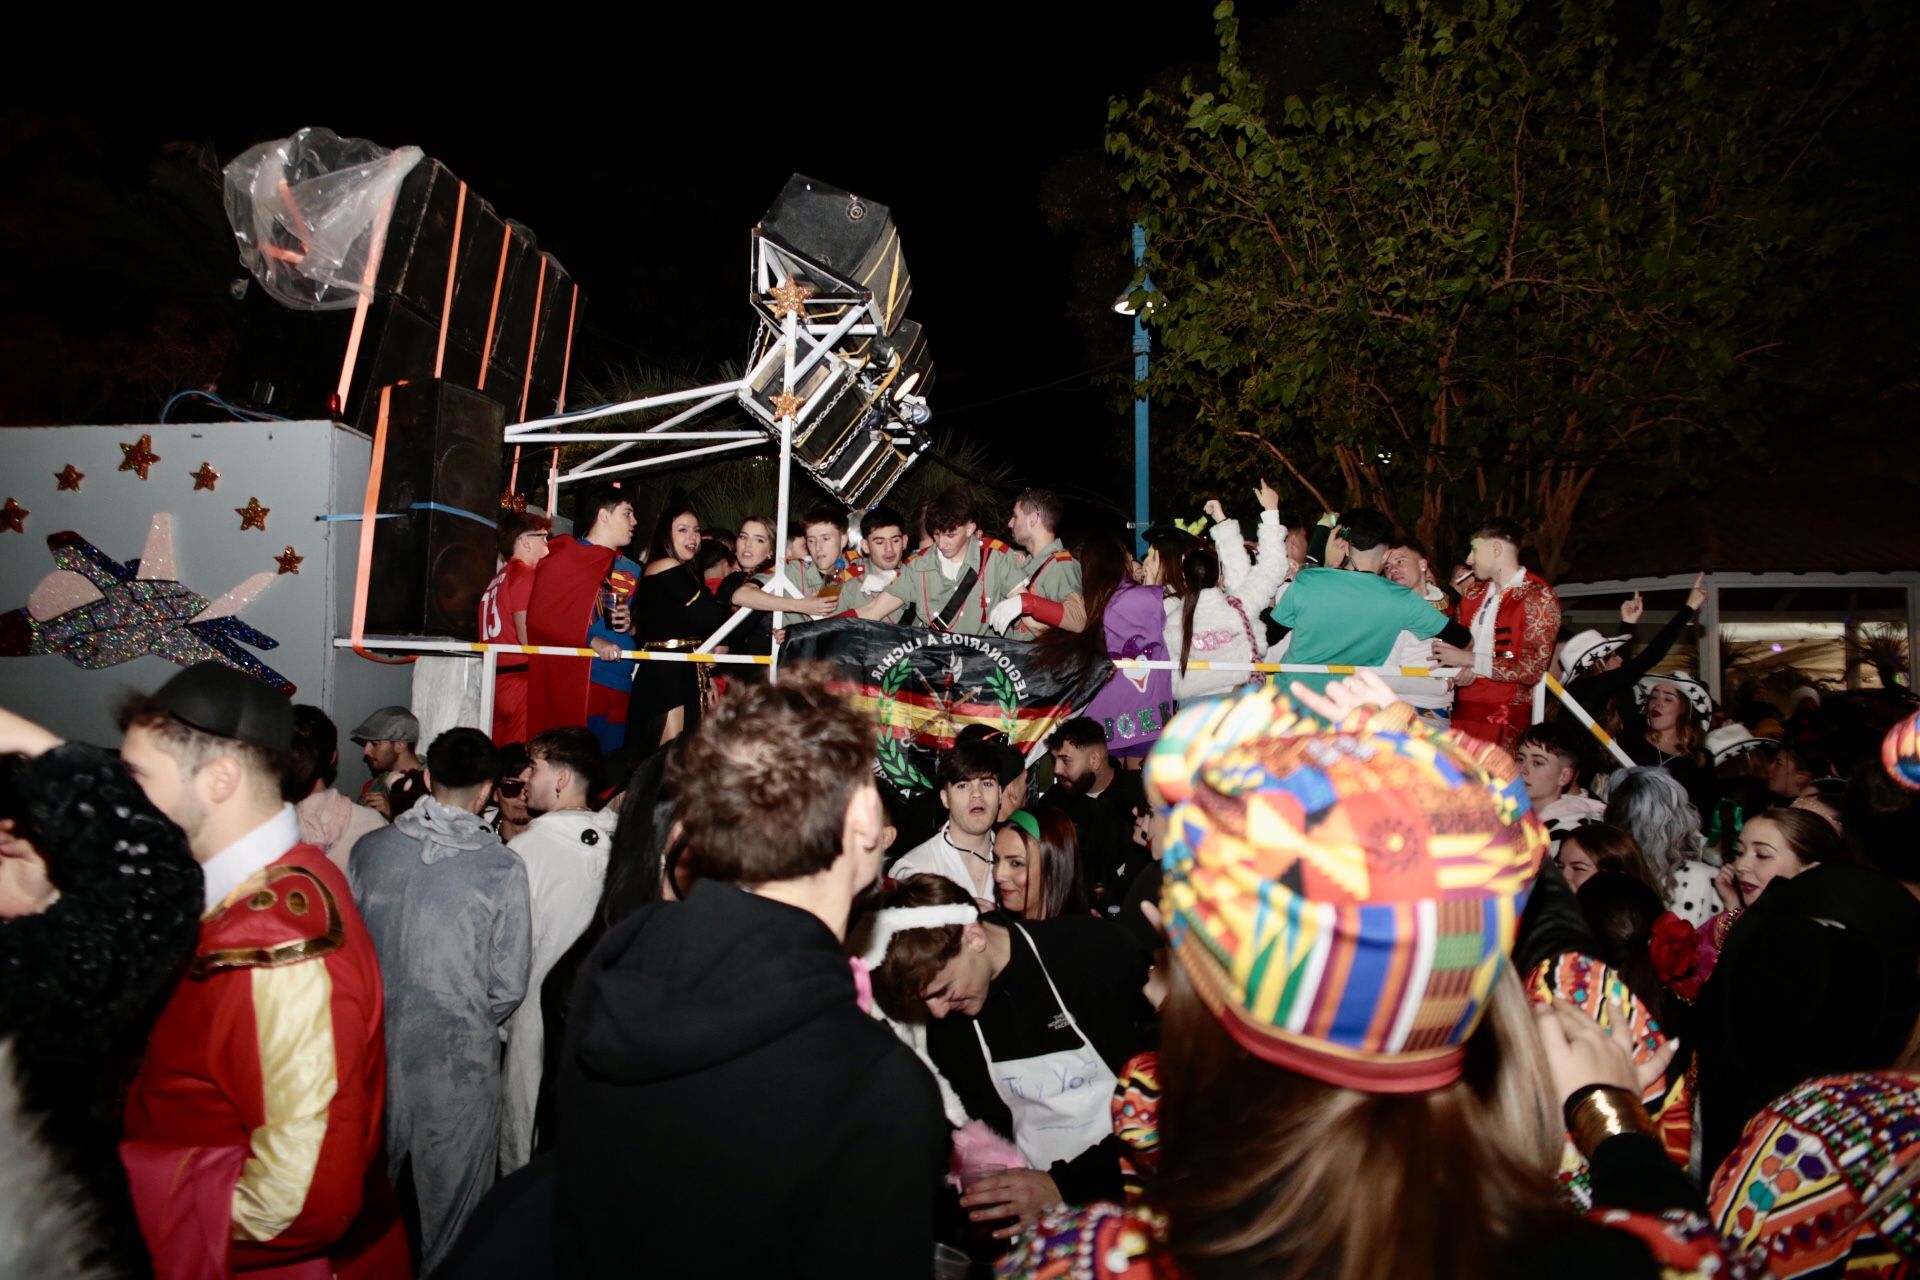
(1219, 630)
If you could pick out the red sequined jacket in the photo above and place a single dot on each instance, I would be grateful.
(1523, 636)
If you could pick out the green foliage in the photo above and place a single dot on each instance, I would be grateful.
(1553, 238)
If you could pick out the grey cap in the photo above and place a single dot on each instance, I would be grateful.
(388, 724)
(227, 703)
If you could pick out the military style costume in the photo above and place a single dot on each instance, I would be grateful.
(264, 1081)
(990, 570)
(1050, 573)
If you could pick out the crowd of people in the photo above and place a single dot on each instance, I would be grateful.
(1240, 975)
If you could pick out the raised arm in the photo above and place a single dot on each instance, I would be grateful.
(1657, 648)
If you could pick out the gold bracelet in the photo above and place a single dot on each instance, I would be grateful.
(1602, 1114)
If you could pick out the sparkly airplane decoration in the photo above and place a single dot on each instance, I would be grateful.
(97, 612)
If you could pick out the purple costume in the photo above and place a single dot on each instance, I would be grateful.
(1133, 706)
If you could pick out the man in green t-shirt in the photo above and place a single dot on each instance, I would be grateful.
(1352, 617)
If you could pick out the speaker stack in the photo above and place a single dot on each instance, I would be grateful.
(432, 559)
(471, 325)
(504, 329)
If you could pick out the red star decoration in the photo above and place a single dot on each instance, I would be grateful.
(511, 501)
(205, 478)
(788, 296)
(138, 456)
(253, 515)
(13, 517)
(786, 405)
(69, 477)
(289, 561)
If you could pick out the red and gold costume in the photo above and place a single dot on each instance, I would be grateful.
(1496, 708)
(262, 1091)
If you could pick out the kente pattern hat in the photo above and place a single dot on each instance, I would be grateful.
(1583, 650)
(1343, 898)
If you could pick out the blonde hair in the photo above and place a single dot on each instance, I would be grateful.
(1264, 1171)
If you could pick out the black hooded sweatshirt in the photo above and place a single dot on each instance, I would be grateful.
(726, 1109)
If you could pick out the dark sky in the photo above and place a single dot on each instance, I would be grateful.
(642, 160)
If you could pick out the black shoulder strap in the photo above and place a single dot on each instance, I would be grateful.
(955, 602)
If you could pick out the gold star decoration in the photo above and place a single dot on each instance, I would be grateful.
(253, 515)
(786, 405)
(289, 561)
(138, 456)
(511, 501)
(205, 478)
(13, 517)
(788, 296)
(69, 477)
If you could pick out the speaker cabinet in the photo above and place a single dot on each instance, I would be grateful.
(504, 330)
(442, 469)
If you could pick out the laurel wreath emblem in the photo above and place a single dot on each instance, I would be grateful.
(896, 764)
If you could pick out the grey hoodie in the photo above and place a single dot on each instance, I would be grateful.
(447, 907)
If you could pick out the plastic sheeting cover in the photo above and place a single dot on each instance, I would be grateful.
(309, 210)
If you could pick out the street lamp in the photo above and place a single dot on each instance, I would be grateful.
(1142, 346)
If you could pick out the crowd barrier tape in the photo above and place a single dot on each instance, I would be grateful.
(557, 651)
(1274, 668)
(1580, 714)
(1132, 664)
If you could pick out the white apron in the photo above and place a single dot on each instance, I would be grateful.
(1061, 1102)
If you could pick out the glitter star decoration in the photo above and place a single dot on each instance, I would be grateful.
(786, 405)
(788, 296)
(511, 501)
(289, 561)
(70, 477)
(13, 517)
(205, 478)
(253, 515)
(138, 456)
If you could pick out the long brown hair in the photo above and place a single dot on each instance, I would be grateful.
(1687, 732)
(1103, 567)
(1266, 1172)
(1199, 570)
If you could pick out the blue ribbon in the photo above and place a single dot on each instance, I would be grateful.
(417, 506)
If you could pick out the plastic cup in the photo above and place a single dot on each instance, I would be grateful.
(950, 1264)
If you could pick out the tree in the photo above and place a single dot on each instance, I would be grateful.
(1557, 241)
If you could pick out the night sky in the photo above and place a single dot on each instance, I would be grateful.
(643, 165)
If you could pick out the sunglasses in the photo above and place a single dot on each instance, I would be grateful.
(510, 787)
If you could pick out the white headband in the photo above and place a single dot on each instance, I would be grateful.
(899, 919)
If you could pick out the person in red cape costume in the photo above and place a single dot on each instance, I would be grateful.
(567, 610)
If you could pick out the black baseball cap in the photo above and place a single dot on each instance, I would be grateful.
(227, 703)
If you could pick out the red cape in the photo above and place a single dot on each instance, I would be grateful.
(559, 613)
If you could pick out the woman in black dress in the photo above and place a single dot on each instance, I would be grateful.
(672, 608)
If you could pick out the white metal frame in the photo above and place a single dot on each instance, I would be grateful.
(805, 338)
(1710, 673)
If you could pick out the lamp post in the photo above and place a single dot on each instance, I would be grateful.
(1142, 347)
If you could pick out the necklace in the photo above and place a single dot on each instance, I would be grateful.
(984, 857)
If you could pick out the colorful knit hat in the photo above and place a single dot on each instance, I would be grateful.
(1343, 898)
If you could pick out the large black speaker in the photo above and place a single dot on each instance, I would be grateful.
(508, 300)
(852, 240)
(442, 468)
